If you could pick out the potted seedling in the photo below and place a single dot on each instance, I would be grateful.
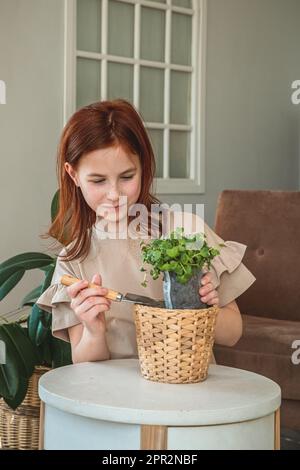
(175, 343)
(182, 259)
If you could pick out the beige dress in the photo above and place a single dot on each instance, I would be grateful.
(119, 262)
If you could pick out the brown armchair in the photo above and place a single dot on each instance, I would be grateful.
(268, 222)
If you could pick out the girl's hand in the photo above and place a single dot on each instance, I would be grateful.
(89, 304)
(207, 292)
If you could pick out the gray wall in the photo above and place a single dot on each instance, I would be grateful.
(31, 64)
(252, 129)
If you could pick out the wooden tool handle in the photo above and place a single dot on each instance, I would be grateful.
(67, 280)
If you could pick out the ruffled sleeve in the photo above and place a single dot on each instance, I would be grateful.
(229, 275)
(56, 300)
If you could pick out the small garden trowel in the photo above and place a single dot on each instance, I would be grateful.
(67, 280)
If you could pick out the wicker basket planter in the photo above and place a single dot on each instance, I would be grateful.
(19, 428)
(175, 346)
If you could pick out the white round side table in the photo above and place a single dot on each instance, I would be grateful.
(109, 405)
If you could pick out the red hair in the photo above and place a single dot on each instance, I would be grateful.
(94, 127)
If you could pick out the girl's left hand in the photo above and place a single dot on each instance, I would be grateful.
(207, 292)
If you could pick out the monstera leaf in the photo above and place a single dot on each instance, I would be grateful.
(27, 347)
(21, 357)
(13, 269)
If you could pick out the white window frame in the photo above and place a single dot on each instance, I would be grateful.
(165, 185)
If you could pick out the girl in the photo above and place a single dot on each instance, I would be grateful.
(105, 157)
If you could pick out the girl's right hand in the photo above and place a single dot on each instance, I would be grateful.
(89, 304)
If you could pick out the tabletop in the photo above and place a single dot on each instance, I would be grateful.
(116, 391)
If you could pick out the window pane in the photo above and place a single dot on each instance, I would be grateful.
(89, 25)
(120, 28)
(120, 81)
(181, 42)
(153, 34)
(179, 154)
(157, 140)
(159, 1)
(182, 3)
(180, 97)
(88, 81)
(152, 94)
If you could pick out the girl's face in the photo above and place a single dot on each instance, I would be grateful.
(104, 176)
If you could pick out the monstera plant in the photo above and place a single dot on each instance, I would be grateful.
(28, 343)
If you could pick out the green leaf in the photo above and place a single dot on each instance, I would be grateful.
(156, 255)
(183, 279)
(48, 277)
(204, 251)
(12, 371)
(33, 295)
(20, 395)
(45, 351)
(173, 252)
(10, 269)
(189, 271)
(49, 267)
(25, 257)
(39, 324)
(9, 378)
(179, 270)
(10, 283)
(42, 328)
(165, 267)
(55, 205)
(28, 304)
(61, 352)
(39, 321)
(23, 347)
(184, 258)
(33, 321)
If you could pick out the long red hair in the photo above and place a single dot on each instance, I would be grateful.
(94, 127)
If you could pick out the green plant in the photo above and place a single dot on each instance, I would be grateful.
(30, 344)
(179, 253)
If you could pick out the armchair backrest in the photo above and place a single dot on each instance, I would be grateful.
(268, 222)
